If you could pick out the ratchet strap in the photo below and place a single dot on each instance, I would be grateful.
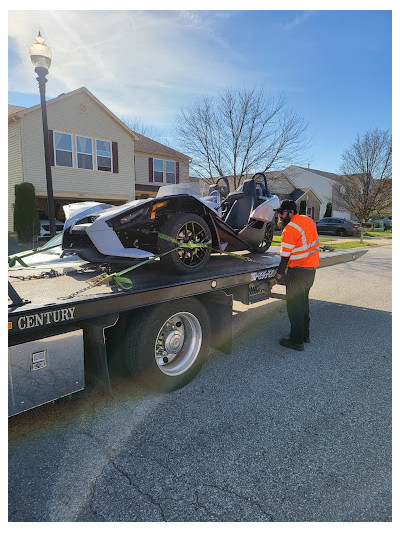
(126, 284)
(17, 258)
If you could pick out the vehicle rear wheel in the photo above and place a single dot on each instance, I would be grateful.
(166, 345)
(186, 228)
(341, 232)
(267, 240)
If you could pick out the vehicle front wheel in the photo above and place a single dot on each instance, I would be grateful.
(166, 345)
(185, 228)
(267, 240)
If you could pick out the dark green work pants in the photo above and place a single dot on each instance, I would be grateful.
(298, 284)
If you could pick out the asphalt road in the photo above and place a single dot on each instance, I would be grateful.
(264, 434)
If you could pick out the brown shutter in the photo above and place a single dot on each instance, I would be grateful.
(115, 157)
(177, 172)
(151, 170)
(51, 147)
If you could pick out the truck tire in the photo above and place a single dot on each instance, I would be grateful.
(187, 228)
(166, 345)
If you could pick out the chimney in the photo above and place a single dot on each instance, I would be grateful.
(308, 165)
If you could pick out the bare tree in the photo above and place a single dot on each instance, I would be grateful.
(141, 129)
(365, 186)
(241, 131)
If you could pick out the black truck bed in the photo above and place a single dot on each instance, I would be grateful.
(151, 284)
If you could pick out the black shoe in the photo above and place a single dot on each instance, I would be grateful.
(287, 343)
(306, 339)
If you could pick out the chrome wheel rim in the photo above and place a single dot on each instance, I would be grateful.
(178, 344)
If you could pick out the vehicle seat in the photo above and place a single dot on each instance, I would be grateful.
(239, 213)
(261, 191)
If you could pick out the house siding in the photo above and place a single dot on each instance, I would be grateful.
(280, 185)
(323, 186)
(15, 174)
(65, 116)
(142, 168)
(313, 204)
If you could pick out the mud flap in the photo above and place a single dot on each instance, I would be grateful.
(219, 309)
(96, 366)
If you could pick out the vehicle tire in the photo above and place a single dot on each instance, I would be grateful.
(267, 240)
(166, 345)
(341, 232)
(186, 228)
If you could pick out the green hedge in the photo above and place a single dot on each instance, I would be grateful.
(26, 214)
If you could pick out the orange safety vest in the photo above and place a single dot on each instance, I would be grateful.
(299, 242)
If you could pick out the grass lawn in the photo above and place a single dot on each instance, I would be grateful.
(350, 244)
(336, 243)
(276, 241)
(384, 234)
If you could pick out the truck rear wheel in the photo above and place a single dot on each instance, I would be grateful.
(166, 345)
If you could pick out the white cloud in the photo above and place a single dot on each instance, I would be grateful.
(142, 64)
(300, 18)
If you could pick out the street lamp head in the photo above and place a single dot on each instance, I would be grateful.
(40, 53)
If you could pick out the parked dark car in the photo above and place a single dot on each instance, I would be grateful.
(337, 226)
(385, 221)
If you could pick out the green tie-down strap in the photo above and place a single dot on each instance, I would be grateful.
(17, 258)
(12, 261)
(126, 284)
(123, 283)
(184, 244)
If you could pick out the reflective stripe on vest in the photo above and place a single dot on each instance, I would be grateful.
(301, 251)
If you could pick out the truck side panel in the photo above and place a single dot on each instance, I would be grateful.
(43, 370)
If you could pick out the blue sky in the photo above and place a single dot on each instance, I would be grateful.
(335, 67)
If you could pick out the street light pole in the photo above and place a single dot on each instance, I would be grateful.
(41, 59)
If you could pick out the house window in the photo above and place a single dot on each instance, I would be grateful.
(170, 171)
(103, 153)
(84, 151)
(63, 149)
(158, 170)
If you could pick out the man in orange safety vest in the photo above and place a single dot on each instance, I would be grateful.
(299, 259)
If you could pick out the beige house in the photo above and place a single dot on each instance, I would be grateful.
(324, 184)
(281, 185)
(157, 165)
(94, 155)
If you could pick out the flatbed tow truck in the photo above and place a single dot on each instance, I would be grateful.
(65, 330)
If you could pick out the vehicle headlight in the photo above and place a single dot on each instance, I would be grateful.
(131, 216)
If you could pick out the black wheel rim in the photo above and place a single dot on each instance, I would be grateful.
(268, 236)
(192, 233)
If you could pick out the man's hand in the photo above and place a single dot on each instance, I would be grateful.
(279, 277)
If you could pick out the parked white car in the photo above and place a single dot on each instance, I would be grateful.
(45, 225)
